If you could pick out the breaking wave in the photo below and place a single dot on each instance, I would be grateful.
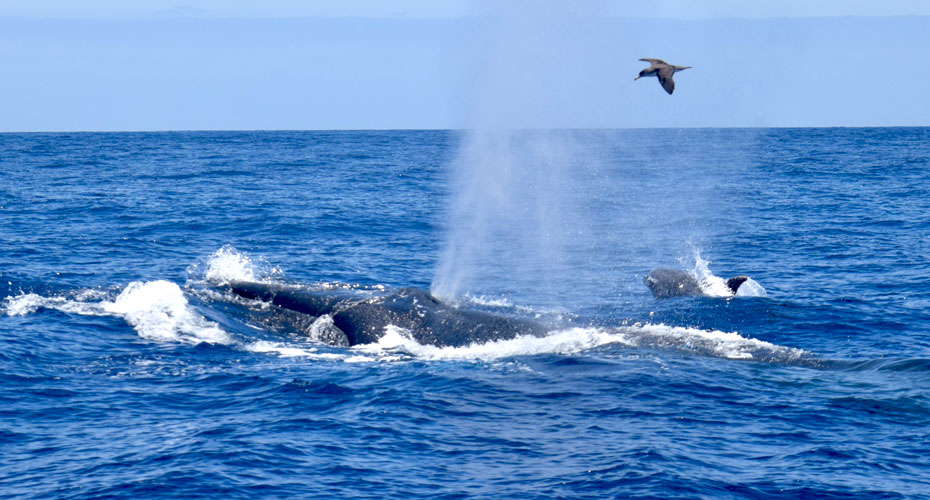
(712, 343)
(157, 310)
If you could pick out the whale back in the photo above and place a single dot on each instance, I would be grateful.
(666, 283)
(363, 319)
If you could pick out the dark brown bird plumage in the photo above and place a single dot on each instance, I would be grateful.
(663, 71)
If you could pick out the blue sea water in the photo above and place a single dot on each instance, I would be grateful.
(126, 373)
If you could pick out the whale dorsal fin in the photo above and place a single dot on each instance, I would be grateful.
(734, 283)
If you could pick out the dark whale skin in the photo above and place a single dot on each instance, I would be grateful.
(667, 283)
(363, 320)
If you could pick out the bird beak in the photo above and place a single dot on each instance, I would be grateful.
(637, 78)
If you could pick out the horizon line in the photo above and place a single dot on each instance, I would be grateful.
(162, 17)
(464, 129)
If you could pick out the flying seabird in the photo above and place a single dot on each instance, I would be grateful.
(663, 71)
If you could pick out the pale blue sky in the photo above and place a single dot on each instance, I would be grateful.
(278, 64)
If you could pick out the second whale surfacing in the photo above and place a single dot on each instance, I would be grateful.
(359, 320)
(666, 283)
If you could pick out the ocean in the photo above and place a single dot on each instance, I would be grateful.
(129, 370)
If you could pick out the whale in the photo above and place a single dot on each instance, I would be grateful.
(667, 283)
(348, 318)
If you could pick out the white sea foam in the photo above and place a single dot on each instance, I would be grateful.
(157, 310)
(229, 264)
(716, 286)
(559, 342)
(716, 343)
(710, 284)
(396, 342)
(750, 288)
(23, 305)
(292, 350)
(29, 303)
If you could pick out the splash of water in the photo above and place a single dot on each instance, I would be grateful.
(712, 285)
(157, 310)
(715, 286)
(228, 264)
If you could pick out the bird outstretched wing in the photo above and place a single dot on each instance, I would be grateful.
(665, 78)
(654, 61)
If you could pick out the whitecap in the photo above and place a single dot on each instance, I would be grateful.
(159, 311)
(397, 342)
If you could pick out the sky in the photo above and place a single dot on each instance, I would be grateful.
(454, 64)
